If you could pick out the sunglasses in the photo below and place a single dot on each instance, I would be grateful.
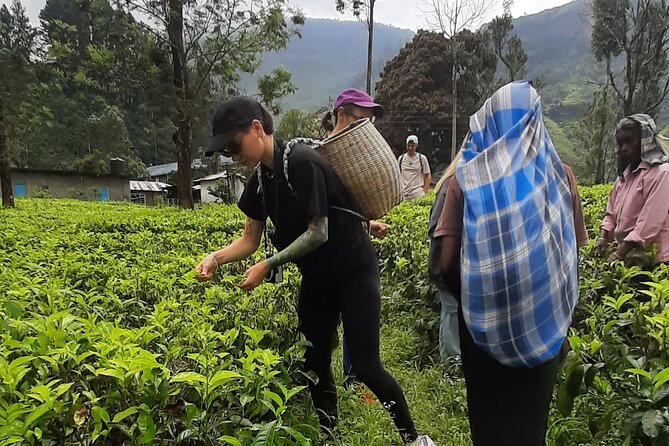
(233, 149)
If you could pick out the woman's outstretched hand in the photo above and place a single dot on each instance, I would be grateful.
(255, 276)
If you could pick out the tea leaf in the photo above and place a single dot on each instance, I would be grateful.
(124, 414)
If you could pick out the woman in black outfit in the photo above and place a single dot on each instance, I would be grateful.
(340, 276)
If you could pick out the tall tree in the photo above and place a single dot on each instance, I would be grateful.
(274, 86)
(594, 133)
(108, 137)
(507, 46)
(296, 123)
(98, 57)
(210, 42)
(415, 89)
(452, 17)
(17, 41)
(638, 32)
(364, 10)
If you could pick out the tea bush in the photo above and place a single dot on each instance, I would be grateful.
(614, 388)
(106, 335)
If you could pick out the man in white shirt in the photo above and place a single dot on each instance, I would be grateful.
(415, 171)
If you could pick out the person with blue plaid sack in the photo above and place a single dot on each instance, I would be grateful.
(510, 228)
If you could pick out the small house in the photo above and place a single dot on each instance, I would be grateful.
(71, 184)
(230, 187)
(165, 172)
(148, 193)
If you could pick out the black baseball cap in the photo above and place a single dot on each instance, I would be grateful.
(232, 115)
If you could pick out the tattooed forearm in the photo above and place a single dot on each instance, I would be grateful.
(313, 237)
(251, 228)
(244, 246)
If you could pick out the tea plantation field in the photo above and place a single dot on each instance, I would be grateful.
(106, 337)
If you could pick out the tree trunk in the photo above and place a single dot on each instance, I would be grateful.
(601, 156)
(370, 45)
(601, 162)
(5, 172)
(454, 121)
(182, 121)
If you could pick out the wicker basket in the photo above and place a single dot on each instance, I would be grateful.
(367, 166)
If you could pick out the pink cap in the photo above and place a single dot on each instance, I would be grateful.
(359, 98)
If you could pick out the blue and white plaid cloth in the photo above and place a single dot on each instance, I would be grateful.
(519, 253)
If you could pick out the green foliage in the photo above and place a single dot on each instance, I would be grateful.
(610, 27)
(41, 194)
(557, 44)
(569, 153)
(410, 298)
(296, 123)
(104, 82)
(635, 31)
(275, 86)
(17, 46)
(614, 388)
(106, 335)
(108, 138)
(508, 48)
(595, 133)
(88, 78)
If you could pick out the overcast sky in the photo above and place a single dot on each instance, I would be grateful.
(400, 13)
(407, 13)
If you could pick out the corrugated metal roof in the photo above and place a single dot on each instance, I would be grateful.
(213, 177)
(148, 186)
(162, 169)
(218, 176)
(166, 169)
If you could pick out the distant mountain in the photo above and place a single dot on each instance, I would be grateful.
(330, 56)
(557, 43)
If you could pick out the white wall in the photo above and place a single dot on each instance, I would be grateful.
(237, 189)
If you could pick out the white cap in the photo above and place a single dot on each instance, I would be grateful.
(413, 139)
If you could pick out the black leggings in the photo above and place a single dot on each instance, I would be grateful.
(356, 298)
(507, 406)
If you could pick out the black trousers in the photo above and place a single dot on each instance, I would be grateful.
(508, 406)
(356, 299)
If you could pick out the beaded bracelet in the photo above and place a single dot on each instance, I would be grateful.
(214, 259)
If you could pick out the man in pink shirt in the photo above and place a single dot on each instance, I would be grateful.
(637, 214)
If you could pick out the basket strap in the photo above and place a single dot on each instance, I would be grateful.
(360, 217)
(315, 144)
(349, 211)
(289, 147)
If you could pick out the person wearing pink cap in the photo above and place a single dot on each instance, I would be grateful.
(351, 105)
